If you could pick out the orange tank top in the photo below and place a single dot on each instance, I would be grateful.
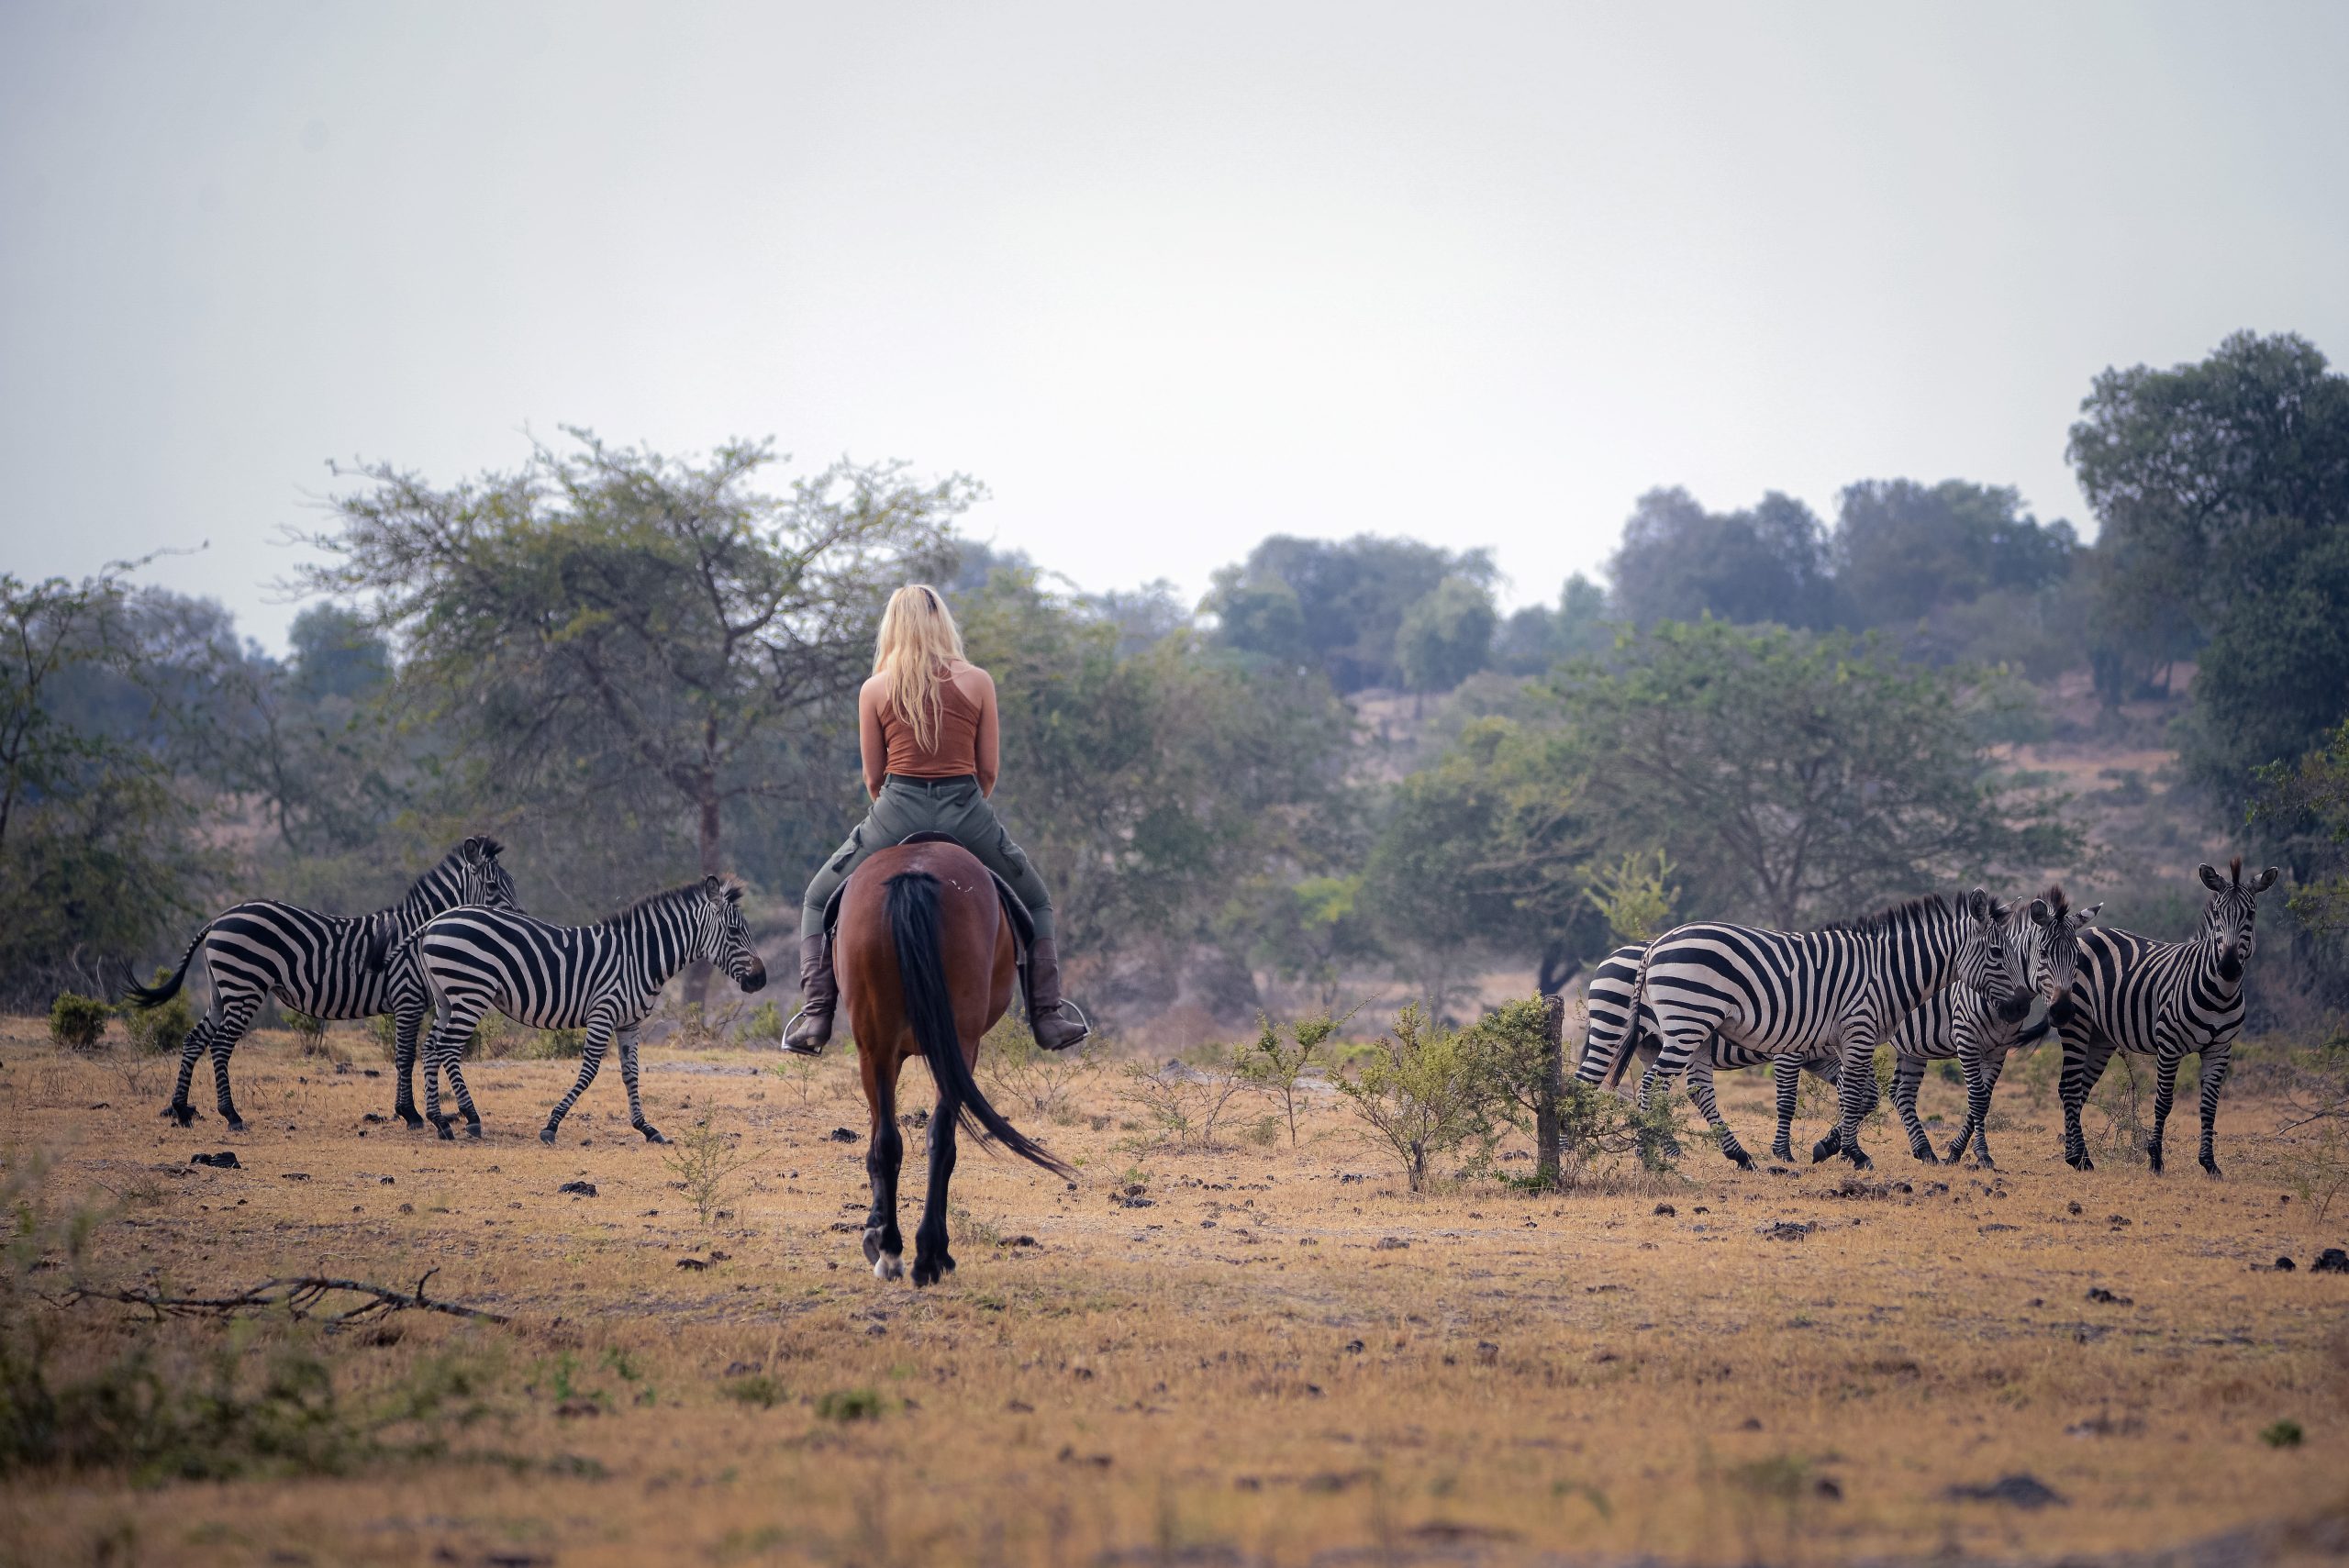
(957, 750)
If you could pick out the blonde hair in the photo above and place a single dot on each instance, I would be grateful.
(918, 638)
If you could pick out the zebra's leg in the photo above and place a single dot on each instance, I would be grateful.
(459, 1016)
(455, 1062)
(2216, 1060)
(2083, 1065)
(885, 1155)
(235, 1020)
(2165, 1065)
(1856, 1094)
(628, 1075)
(1700, 1089)
(932, 1260)
(1908, 1074)
(407, 1024)
(1981, 1077)
(1786, 1076)
(599, 1035)
(191, 1048)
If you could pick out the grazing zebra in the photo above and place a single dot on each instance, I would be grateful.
(1793, 992)
(1607, 1003)
(319, 964)
(1961, 1022)
(602, 978)
(2163, 1000)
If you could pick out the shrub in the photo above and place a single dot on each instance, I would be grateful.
(77, 1022)
(849, 1405)
(385, 1033)
(1022, 1070)
(311, 1034)
(1182, 1104)
(1423, 1090)
(2282, 1434)
(1274, 1065)
(161, 1029)
(764, 1026)
(555, 1045)
(703, 1159)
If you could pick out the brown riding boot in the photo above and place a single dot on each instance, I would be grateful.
(1056, 1024)
(811, 1029)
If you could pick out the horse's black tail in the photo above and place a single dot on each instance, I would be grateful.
(156, 996)
(930, 1009)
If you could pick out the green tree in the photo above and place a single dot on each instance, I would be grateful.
(1679, 562)
(1794, 777)
(608, 621)
(1335, 605)
(1422, 1090)
(1902, 549)
(1484, 850)
(2306, 804)
(1446, 636)
(1149, 788)
(1537, 636)
(2222, 491)
(98, 849)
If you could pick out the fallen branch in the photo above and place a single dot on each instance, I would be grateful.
(295, 1294)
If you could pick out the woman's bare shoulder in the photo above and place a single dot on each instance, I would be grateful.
(969, 676)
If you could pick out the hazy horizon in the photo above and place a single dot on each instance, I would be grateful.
(1166, 284)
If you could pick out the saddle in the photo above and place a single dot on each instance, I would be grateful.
(1023, 924)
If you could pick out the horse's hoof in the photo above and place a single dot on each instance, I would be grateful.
(546, 1135)
(925, 1272)
(889, 1266)
(873, 1246)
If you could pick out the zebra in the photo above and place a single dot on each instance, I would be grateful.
(1961, 1022)
(602, 978)
(1607, 1049)
(1793, 992)
(319, 964)
(2163, 1000)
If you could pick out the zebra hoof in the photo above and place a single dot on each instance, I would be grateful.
(546, 1135)
(185, 1115)
(1956, 1152)
(2079, 1161)
(1825, 1147)
(472, 1129)
(1860, 1162)
(410, 1117)
(2154, 1157)
(1744, 1162)
(236, 1122)
(1783, 1151)
(2210, 1168)
(651, 1133)
(446, 1135)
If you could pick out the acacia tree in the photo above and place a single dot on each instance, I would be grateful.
(1792, 777)
(608, 617)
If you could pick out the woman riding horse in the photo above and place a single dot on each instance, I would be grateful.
(926, 723)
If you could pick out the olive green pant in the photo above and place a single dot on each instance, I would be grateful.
(951, 806)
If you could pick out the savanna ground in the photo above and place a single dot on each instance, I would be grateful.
(1259, 1353)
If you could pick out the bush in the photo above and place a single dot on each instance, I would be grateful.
(162, 1028)
(310, 1032)
(764, 1025)
(78, 1023)
(1182, 1105)
(1020, 1069)
(849, 1405)
(555, 1045)
(1275, 1066)
(1423, 1090)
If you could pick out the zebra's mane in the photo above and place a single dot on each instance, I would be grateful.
(1884, 920)
(672, 897)
(2059, 902)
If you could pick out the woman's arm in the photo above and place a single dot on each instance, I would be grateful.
(868, 736)
(989, 736)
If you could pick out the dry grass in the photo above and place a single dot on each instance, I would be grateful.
(1246, 1366)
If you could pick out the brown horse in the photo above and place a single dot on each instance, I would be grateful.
(925, 958)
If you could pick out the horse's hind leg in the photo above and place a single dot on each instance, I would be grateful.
(885, 1246)
(932, 1261)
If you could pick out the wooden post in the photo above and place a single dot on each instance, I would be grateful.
(1545, 1114)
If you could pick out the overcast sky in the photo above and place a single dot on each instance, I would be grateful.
(1166, 279)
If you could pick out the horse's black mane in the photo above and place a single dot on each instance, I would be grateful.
(1884, 920)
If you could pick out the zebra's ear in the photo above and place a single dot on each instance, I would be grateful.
(2040, 913)
(2088, 914)
(714, 886)
(2210, 878)
(1980, 904)
(2263, 881)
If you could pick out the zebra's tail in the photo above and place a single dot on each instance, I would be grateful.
(930, 1010)
(156, 996)
(1629, 1048)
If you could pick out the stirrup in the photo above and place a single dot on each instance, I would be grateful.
(790, 1050)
